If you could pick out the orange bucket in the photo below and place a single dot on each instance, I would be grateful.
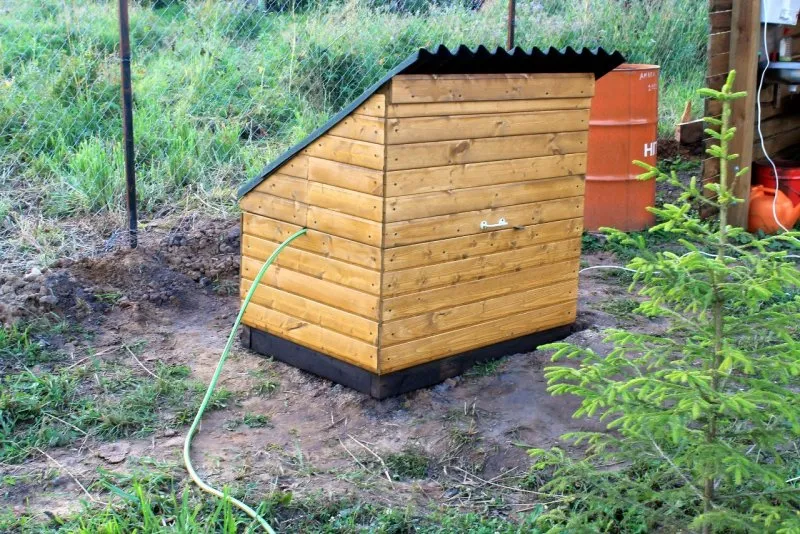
(623, 126)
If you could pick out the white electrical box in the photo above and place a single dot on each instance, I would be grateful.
(780, 11)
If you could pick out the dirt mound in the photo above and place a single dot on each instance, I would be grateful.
(204, 251)
(165, 267)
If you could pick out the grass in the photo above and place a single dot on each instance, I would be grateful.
(154, 499)
(487, 368)
(221, 88)
(44, 403)
(410, 463)
(621, 308)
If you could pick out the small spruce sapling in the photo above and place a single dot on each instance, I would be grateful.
(704, 419)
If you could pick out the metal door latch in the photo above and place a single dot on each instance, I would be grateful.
(498, 224)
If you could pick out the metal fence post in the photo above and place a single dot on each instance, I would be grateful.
(512, 8)
(127, 118)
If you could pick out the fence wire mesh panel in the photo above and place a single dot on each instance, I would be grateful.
(223, 86)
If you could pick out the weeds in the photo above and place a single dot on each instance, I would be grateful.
(253, 420)
(55, 405)
(621, 308)
(487, 368)
(267, 382)
(411, 463)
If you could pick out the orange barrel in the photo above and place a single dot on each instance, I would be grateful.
(623, 126)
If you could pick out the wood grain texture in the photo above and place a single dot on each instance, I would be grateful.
(375, 106)
(777, 143)
(274, 207)
(744, 48)
(444, 344)
(719, 5)
(719, 43)
(458, 248)
(313, 241)
(360, 128)
(334, 295)
(445, 128)
(313, 312)
(431, 323)
(297, 167)
(369, 155)
(777, 124)
(476, 198)
(345, 201)
(425, 88)
(719, 64)
(468, 223)
(468, 269)
(351, 177)
(313, 336)
(284, 186)
(346, 226)
(445, 178)
(419, 155)
(477, 290)
(438, 109)
(338, 272)
(720, 21)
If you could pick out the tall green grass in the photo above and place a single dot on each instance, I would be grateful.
(221, 87)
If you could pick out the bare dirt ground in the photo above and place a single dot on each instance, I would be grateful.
(176, 298)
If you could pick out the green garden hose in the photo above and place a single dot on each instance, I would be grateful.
(187, 444)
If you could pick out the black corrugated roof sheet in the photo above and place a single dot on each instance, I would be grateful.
(464, 61)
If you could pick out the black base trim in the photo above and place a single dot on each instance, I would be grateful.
(403, 381)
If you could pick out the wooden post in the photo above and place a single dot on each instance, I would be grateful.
(745, 32)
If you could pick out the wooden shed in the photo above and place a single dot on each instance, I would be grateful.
(736, 43)
(444, 212)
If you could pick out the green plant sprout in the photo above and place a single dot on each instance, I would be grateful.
(703, 421)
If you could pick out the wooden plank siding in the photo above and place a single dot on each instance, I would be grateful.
(467, 223)
(311, 287)
(338, 272)
(457, 272)
(448, 177)
(410, 207)
(420, 155)
(351, 350)
(326, 245)
(284, 186)
(440, 345)
(375, 106)
(343, 150)
(448, 109)
(361, 128)
(323, 292)
(477, 290)
(313, 312)
(459, 248)
(427, 324)
(395, 270)
(351, 177)
(447, 128)
(424, 88)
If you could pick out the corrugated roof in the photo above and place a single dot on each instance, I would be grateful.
(463, 61)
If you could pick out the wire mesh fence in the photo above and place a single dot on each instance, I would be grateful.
(223, 86)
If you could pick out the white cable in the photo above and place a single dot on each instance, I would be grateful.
(765, 6)
(607, 267)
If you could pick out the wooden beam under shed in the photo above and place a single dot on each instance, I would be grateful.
(743, 58)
